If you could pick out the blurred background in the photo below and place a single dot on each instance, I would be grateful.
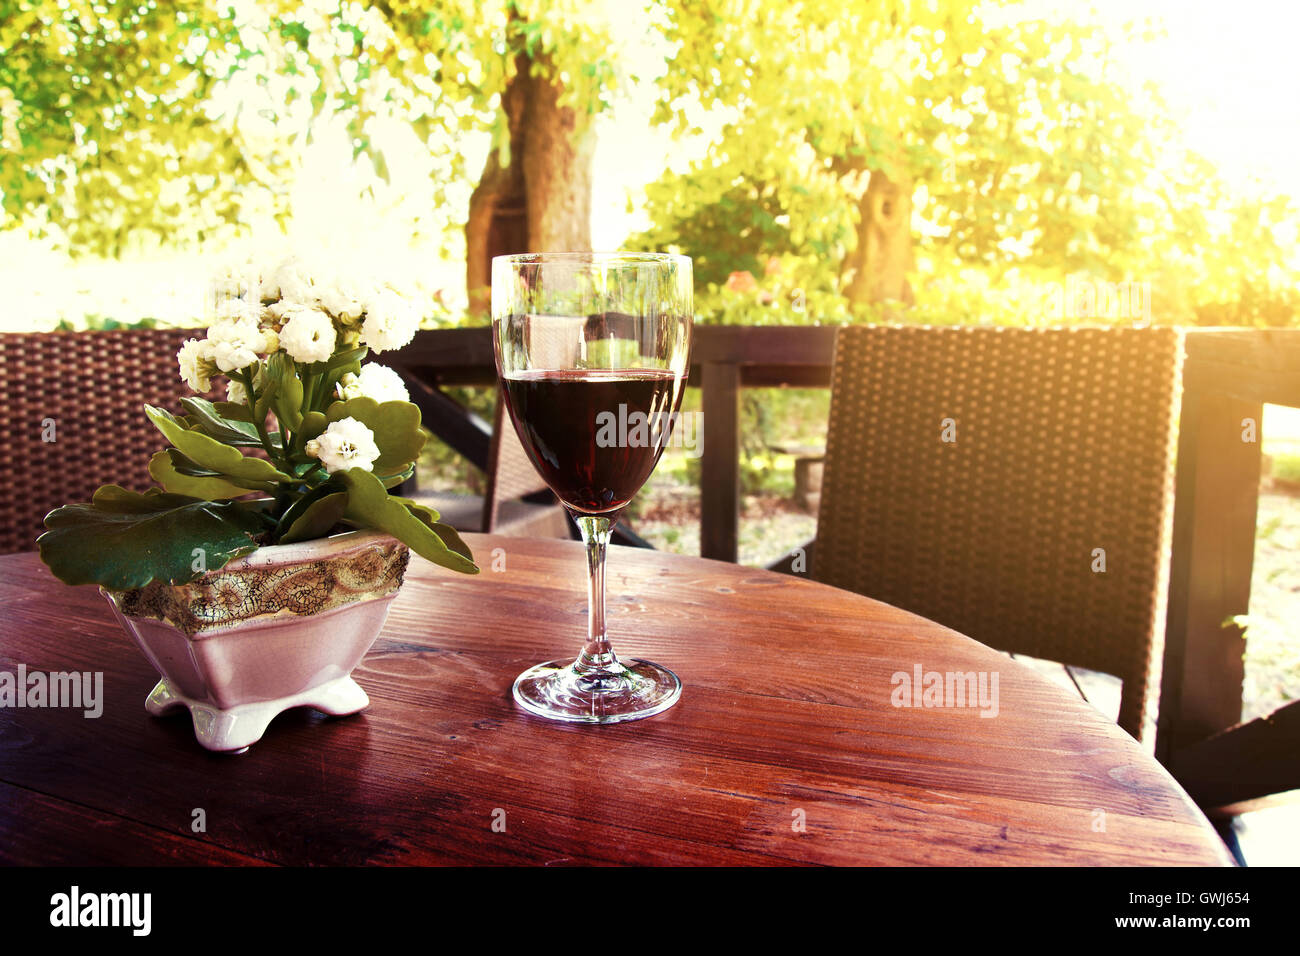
(1024, 144)
(938, 161)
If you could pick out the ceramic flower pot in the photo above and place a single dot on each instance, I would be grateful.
(283, 627)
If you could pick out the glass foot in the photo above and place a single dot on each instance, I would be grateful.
(634, 690)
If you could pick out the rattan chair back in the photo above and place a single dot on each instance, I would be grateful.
(72, 418)
(510, 474)
(1014, 484)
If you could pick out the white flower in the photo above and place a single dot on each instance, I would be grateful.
(291, 282)
(308, 335)
(197, 366)
(237, 343)
(278, 313)
(345, 300)
(375, 381)
(235, 391)
(238, 310)
(345, 444)
(237, 281)
(390, 322)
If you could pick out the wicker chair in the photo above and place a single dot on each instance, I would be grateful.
(88, 387)
(1064, 443)
(512, 479)
(510, 506)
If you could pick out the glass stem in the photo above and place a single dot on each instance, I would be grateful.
(597, 659)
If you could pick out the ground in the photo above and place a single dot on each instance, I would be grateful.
(1272, 654)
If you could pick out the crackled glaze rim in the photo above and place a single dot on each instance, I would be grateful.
(313, 550)
(136, 605)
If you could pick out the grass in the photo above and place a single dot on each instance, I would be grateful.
(666, 513)
(1272, 653)
(1287, 467)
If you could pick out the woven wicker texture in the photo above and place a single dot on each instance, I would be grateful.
(1064, 444)
(511, 475)
(92, 385)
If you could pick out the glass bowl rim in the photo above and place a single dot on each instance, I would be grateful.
(592, 258)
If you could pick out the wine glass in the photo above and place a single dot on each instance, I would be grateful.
(592, 352)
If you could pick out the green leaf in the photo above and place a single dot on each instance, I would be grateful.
(317, 518)
(188, 469)
(335, 371)
(163, 470)
(420, 510)
(267, 397)
(184, 466)
(312, 495)
(392, 481)
(450, 536)
(211, 453)
(313, 423)
(215, 425)
(350, 357)
(233, 411)
(381, 164)
(396, 426)
(370, 506)
(286, 400)
(124, 540)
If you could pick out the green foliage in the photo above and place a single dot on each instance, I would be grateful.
(102, 130)
(212, 421)
(130, 121)
(210, 487)
(1287, 467)
(122, 118)
(1028, 163)
(122, 539)
(103, 323)
(214, 455)
(125, 540)
(287, 393)
(736, 232)
(316, 520)
(371, 506)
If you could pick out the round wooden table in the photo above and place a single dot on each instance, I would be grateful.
(795, 740)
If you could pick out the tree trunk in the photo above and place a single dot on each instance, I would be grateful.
(538, 199)
(883, 257)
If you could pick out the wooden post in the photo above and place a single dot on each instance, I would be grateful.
(720, 462)
(1213, 554)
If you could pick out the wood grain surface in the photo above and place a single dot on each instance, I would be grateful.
(785, 747)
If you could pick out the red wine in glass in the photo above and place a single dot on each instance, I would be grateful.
(594, 435)
(592, 352)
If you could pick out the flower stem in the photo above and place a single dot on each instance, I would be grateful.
(259, 424)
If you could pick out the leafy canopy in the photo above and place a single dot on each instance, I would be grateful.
(1021, 151)
(182, 118)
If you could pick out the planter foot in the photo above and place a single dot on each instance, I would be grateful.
(235, 729)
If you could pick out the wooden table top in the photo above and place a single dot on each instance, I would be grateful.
(785, 747)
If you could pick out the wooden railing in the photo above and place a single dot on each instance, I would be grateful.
(724, 359)
(1228, 375)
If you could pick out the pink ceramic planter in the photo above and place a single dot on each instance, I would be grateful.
(283, 627)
